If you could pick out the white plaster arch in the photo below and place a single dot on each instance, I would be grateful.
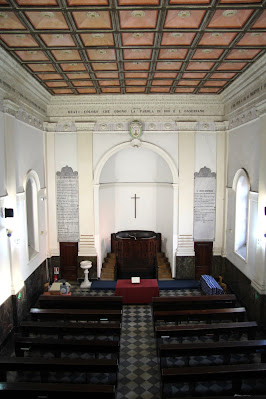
(96, 185)
(31, 174)
(239, 173)
(144, 144)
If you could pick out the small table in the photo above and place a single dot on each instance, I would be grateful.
(137, 293)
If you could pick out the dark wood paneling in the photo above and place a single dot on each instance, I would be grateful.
(68, 260)
(136, 257)
(203, 258)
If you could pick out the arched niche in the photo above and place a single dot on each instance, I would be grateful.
(147, 171)
(32, 188)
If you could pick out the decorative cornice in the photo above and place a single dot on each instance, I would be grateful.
(69, 126)
(118, 126)
(11, 108)
(29, 119)
(159, 127)
(17, 85)
(242, 97)
(146, 109)
(251, 77)
(243, 117)
(205, 126)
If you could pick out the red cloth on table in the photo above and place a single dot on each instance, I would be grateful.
(137, 293)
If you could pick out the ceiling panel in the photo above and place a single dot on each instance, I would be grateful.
(134, 46)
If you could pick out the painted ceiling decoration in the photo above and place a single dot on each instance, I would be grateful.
(134, 46)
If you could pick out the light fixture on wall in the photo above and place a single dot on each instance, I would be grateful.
(7, 213)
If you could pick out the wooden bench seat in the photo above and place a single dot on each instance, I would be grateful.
(220, 397)
(233, 314)
(223, 348)
(193, 302)
(80, 302)
(233, 373)
(76, 314)
(215, 329)
(110, 329)
(57, 346)
(61, 365)
(35, 390)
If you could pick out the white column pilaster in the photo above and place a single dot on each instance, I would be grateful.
(86, 203)
(186, 147)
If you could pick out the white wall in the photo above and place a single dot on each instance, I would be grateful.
(136, 165)
(243, 153)
(24, 151)
(29, 153)
(5, 282)
(2, 157)
(66, 151)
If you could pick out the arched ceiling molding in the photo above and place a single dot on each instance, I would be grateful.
(144, 144)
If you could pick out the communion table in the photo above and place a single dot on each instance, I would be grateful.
(137, 293)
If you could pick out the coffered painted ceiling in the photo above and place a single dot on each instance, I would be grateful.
(134, 46)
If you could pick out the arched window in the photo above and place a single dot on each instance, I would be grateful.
(241, 186)
(32, 187)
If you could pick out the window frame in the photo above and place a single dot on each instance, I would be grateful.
(33, 177)
(241, 173)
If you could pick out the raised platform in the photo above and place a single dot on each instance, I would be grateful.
(163, 285)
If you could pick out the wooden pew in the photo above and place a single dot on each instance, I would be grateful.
(215, 329)
(223, 348)
(80, 302)
(235, 373)
(57, 346)
(193, 302)
(35, 390)
(233, 314)
(76, 314)
(44, 366)
(220, 397)
(110, 329)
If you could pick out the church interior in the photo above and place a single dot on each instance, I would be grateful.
(133, 198)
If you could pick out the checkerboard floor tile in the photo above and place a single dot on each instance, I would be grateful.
(139, 373)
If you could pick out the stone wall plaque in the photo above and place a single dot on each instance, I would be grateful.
(67, 201)
(204, 205)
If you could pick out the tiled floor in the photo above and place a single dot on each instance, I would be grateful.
(139, 376)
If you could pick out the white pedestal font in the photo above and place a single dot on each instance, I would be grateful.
(85, 265)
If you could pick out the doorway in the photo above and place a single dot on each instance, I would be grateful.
(68, 260)
(203, 258)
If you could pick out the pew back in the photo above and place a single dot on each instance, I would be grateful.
(80, 302)
(193, 302)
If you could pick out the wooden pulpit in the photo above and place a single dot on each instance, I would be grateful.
(135, 252)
